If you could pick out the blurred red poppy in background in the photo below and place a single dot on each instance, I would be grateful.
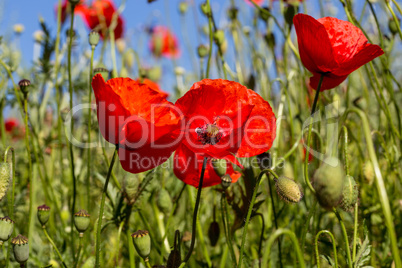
(332, 47)
(164, 43)
(224, 120)
(99, 17)
(138, 119)
(258, 2)
(153, 86)
(66, 9)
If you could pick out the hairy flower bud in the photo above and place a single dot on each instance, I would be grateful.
(288, 189)
(5, 174)
(164, 201)
(6, 229)
(350, 193)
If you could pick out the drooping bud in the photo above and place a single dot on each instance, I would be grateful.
(121, 45)
(81, 221)
(202, 51)
(183, 6)
(93, 38)
(43, 215)
(103, 71)
(232, 13)
(288, 189)
(328, 182)
(205, 9)
(226, 181)
(219, 166)
(213, 233)
(24, 84)
(142, 243)
(289, 13)
(6, 229)
(219, 37)
(21, 248)
(350, 193)
(155, 73)
(5, 174)
(264, 160)
(393, 28)
(164, 201)
(270, 40)
(368, 172)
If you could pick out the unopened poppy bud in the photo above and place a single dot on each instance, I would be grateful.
(93, 38)
(232, 13)
(21, 248)
(6, 229)
(142, 243)
(264, 161)
(328, 182)
(183, 6)
(219, 37)
(213, 233)
(155, 73)
(289, 13)
(121, 45)
(270, 40)
(393, 27)
(219, 166)
(265, 15)
(81, 221)
(226, 181)
(5, 174)
(24, 84)
(205, 9)
(43, 214)
(202, 51)
(174, 259)
(124, 72)
(368, 172)
(288, 189)
(103, 71)
(164, 201)
(350, 193)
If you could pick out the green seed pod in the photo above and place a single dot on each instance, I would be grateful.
(21, 248)
(213, 233)
(288, 189)
(43, 214)
(226, 181)
(219, 37)
(202, 51)
(393, 28)
(6, 229)
(142, 243)
(328, 183)
(183, 6)
(24, 84)
(350, 193)
(93, 38)
(219, 166)
(205, 9)
(103, 71)
(164, 201)
(81, 221)
(5, 174)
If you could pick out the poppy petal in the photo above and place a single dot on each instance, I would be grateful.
(329, 81)
(315, 48)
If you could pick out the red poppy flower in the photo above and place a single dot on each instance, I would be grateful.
(99, 17)
(224, 120)
(11, 124)
(138, 119)
(164, 43)
(258, 2)
(153, 86)
(332, 47)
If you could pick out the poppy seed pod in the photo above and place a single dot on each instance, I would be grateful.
(202, 51)
(226, 181)
(393, 28)
(328, 183)
(213, 233)
(164, 201)
(81, 221)
(142, 243)
(6, 229)
(21, 248)
(24, 84)
(43, 214)
(288, 189)
(5, 173)
(93, 38)
(205, 9)
(103, 71)
(219, 166)
(350, 193)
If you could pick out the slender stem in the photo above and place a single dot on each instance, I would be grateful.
(147, 263)
(89, 163)
(102, 206)
(225, 219)
(345, 235)
(261, 238)
(317, 254)
(10, 194)
(355, 232)
(77, 260)
(54, 246)
(394, 17)
(307, 180)
(210, 41)
(397, 6)
(271, 240)
(197, 203)
(307, 223)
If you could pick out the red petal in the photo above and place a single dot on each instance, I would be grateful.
(188, 165)
(152, 85)
(260, 128)
(315, 48)
(329, 81)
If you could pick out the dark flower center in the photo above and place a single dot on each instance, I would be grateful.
(209, 134)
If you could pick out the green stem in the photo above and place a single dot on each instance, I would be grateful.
(307, 180)
(54, 246)
(271, 240)
(147, 263)
(225, 219)
(317, 254)
(10, 195)
(355, 232)
(345, 235)
(77, 260)
(102, 206)
(397, 6)
(89, 163)
(197, 203)
(395, 17)
(210, 42)
(307, 223)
